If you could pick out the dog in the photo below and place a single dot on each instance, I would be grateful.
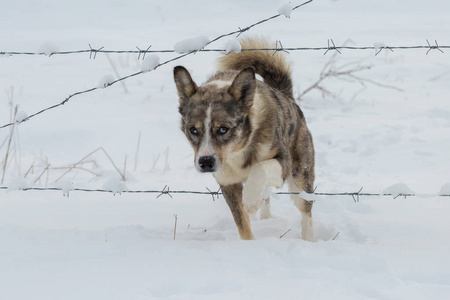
(250, 134)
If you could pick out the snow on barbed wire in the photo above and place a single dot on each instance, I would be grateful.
(398, 189)
(378, 46)
(445, 189)
(233, 46)
(48, 48)
(65, 186)
(192, 44)
(286, 10)
(115, 185)
(150, 63)
(17, 184)
(20, 117)
(105, 81)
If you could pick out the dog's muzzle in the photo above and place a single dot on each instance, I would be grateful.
(207, 163)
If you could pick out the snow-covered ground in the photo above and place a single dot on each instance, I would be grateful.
(100, 246)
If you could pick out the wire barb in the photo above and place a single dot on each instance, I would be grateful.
(214, 193)
(165, 191)
(384, 47)
(142, 52)
(332, 47)
(242, 30)
(357, 195)
(280, 48)
(431, 47)
(93, 52)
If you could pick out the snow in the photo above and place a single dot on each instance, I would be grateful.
(445, 190)
(192, 44)
(150, 63)
(20, 116)
(65, 186)
(17, 184)
(94, 245)
(286, 10)
(232, 46)
(115, 185)
(48, 48)
(378, 46)
(105, 81)
(397, 189)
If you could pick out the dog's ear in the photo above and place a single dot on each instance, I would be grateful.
(244, 86)
(186, 87)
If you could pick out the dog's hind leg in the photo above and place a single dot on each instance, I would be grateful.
(296, 186)
(263, 175)
(233, 196)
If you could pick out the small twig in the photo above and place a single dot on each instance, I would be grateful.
(78, 168)
(91, 153)
(125, 166)
(336, 236)
(345, 72)
(43, 172)
(137, 151)
(284, 233)
(175, 229)
(30, 169)
(166, 163)
(11, 134)
(155, 161)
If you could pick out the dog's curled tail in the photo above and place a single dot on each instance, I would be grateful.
(272, 67)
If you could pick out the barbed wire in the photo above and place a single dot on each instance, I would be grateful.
(215, 194)
(278, 47)
(93, 52)
(330, 46)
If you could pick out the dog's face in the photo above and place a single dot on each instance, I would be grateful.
(214, 117)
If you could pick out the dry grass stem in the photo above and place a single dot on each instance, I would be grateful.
(281, 236)
(336, 236)
(122, 175)
(30, 169)
(11, 134)
(77, 168)
(125, 166)
(175, 229)
(42, 173)
(137, 151)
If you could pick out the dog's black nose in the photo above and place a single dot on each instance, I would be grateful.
(207, 163)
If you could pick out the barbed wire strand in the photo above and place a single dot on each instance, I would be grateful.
(93, 52)
(327, 48)
(166, 191)
(276, 49)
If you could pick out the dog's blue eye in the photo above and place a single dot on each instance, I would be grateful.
(193, 130)
(222, 130)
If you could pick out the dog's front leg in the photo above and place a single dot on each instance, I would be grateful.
(233, 195)
(263, 175)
